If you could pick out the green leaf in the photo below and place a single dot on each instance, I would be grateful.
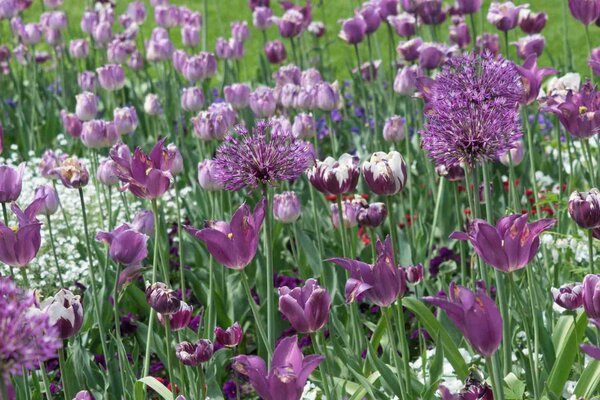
(514, 389)
(435, 330)
(589, 380)
(566, 337)
(157, 387)
(310, 251)
(389, 377)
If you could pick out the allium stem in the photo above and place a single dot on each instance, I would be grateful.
(460, 227)
(255, 313)
(92, 277)
(436, 213)
(269, 278)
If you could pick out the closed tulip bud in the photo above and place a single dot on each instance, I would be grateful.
(371, 16)
(237, 94)
(373, 215)
(304, 126)
(79, 48)
(458, 34)
(306, 308)
(327, 96)
(167, 16)
(65, 312)
(569, 296)
(404, 24)
(291, 24)
(262, 102)
(127, 246)
(532, 22)
(432, 55)
(87, 81)
(190, 36)
(514, 155)
(350, 214)
(385, 174)
(83, 395)
(102, 33)
(275, 52)
(488, 42)
(229, 337)
(353, 30)
(239, 30)
(414, 273)
(451, 173)
(11, 183)
(125, 120)
(317, 28)
(262, 18)
(177, 159)
(137, 11)
(152, 105)
(192, 99)
(469, 6)
(405, 82)
(179, 59)
(162, 299)
(143, 222)
(159, 49)
(106, 173)
(31, 34)
(409, 50)
(206, 176)
(591, 296)
(71, 124)
(111, 77)
(193, 355)
(286, 207)
(96, 134)
(136, 61)
(530, 45)
(180, 319)
(584, 208)
(594, 60)
(333, 176)
(504, 16)
(50, 196)
(86, 106)
(585, 11)
(393, 129)
(88, 21)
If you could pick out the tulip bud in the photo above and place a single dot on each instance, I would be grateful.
(237, 95)
(206, 176)
(106, 172)
(584, 208)
(125, 120)
(190, 36)
(353, 30)
(409, 50)
(350, 214)
(405, 82)
(79, 48)
(453, 173)
(86, 106)
(87, 81)
(373, 215)
(414, 273)
(568, 296)
(136, 62)
(177, 159)
(333, 176)
(304, 126)
(65, 312)
(262, 102)
(591, 296)
(83, 395)
(51, 201)
(317, 28)
(306, 308)
(531, 22)
(286, 207)
(404, 24)
(152, 105)
(528, 45)
(162, 299)
(385, 174)
(262, 18)
(488, 42)
(111, 77)
(229, 337)
(193, 355)
(275, 52)
(515, 155)
(71, 124)
(327, 96)
(72, 173)
(96, 134)
(143, 222)
(180, 319)
(393, 129)
(11, 183)
(192, 99)
(432, 55)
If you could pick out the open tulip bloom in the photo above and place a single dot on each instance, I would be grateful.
(19, 245)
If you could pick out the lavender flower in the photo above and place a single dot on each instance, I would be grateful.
(472, 113)
(250, 159)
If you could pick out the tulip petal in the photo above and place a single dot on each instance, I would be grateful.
(591, 350)
(294, 313)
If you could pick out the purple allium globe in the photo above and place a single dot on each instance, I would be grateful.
(249, 159)
(472, 110)
(27, 336)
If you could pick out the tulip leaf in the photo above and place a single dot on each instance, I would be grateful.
(567, 336)
(436, 331)
(158, 387)
(589, 380)
(310, 251)
(389, 377)
(514, 389)
(360, 392)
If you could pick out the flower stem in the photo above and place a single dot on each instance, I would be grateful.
(46, 381)
(341, 226)
(436, 213)
(591, 250)
(399, 319)
(60, 277)
(92, 278)
(62, 363)
(392, 338)
(325, 371)
(460, 227)
(269, 278)
(5, 214)
(257, 319)
(393, 224)
(117, 322)
(180, 243)
(492, 367)
(169, 357)
(589, 44)
(201, 381)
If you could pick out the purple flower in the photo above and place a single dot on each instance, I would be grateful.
(290, 370)
(125, 120)
(353, 30)
(508, 246)
(83, 395)
(352, 209)
(291, 24)
(531, 22)
(531, 78)
(591, 296)
(50, 197)
(591, 350)
(192, 99)
(432, 55)
(333, 176)
(193, 355)
(304, 126)
(152, 105)
(475, 315)
(178, 320)
(585, 11)
(382, 283)
(414, 273)
(504, 16)
(514, 155)
(262, 18)
(234, 244)
(469, 6)
(430, 12)
(385, 174)
(409, 50)
(306, 308)
(143, 222)
(458, 33)
(96, 134)
(594, 61)
(11, 183)
(568, 296)
(28, 338)
(146, 176)
(162, 299)
(584, 208)
(472, 110)
(475, 389)
(405, 82)
(404, 24)
(127, 246)
(530, 45)
(247, 160)
(229, 337)
(275, 52)
(373, 215)
(206, 176)
(286, 207)
(19, 245)
(262, 102)
(237, 94)
(65, 313)
(111, 77)
(369, 12)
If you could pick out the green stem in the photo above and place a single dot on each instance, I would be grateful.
(589, 44)
(536, 336)
(325, 371)
(201, 381)
(46, 381)
(436, 212)
(255, 313)
(460, 227)
(180, 242)
(591, 250)
(399, 318)
(493, 371)
(169, 356)
(62, 363)
(268, 243)
(392, 338)
(60, 277)
(393, 223)
(118, 322)
(341, 225)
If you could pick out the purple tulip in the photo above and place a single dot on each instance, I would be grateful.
(50, 160)
(531, 77)
(192, 99)
(531, 22)
(385, 174)
(317, 28)
(382, 283)
(430, 12)
(410, 50)
(111, 77)
(568, 296)
(83, 395)
(290, 370)
(353, 30)
(352, 209)
(72, 173)
(387, 8)
(275, 52)
(584, 208)
(393, 129)
(475, 315)
(304, 126)
(469, 6)
(234, 244)
(262, 102)
(65, 312)
(11, 183)
(404, 24)
(594, 60)
(504, 16)
(50, 197)
(137, 11)
(306, 308)
(180, 319)
(286, 207)
(488, 42)
(167, 16)
(327, 96)
(579, 113)
(106, 172)
(458, 33)
(229, 337)
(475, 389)
(508, 246)
(333, 176)
(405, 82)
(237, 94)
(291, 24)
(143, 222)
(591, 350)
(591, 296)
(585, 11)
(96, 134)
(190, 36)
(125, 120)
(193, 355)
(87, 81)
(71, 124)
(514, 155)
(102, 33)
(126, 245)
(530, 45)
(162, 299)
(262, 18)
(432, 55)
(20, 245)
(206, 176)
(214, 123)
(79, 48)
(86, 106)
(369, 12)
(414, 273)
(146, 176)
(373, 215)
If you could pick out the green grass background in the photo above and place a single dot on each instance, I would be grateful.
(222, 12)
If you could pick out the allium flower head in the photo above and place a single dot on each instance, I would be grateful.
(472, 110)
(249, 159)
(27, 336)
